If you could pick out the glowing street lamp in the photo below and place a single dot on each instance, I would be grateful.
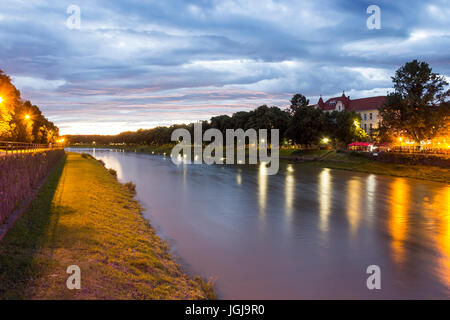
(325, 140)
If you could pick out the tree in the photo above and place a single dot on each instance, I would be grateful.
(419, 107)
(306, 125)
(265, 117)
(22, 121)
(222, 123)
(241, 119)
(343, 126)
(10, 101)
(297, 101)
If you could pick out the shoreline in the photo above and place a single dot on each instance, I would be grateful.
(325, 159)
(82, 215)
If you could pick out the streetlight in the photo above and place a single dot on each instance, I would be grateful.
(325, 140)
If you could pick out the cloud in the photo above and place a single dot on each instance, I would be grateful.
(36, 83)
(139, 64)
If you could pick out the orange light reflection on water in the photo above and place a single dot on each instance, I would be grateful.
(441, 208)
(354, 204)
(398, 227)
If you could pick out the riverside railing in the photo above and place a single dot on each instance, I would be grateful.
(9, 147)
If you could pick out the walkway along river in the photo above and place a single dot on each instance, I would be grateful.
(304, 233)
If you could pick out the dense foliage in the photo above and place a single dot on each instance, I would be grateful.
(21, 120)
(419, 107)
(300, 124)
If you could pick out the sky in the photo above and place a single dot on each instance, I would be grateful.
(140, 64)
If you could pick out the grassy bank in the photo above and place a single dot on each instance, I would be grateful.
(353, 162)
(83, 216)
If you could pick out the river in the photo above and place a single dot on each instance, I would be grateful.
(305, 233)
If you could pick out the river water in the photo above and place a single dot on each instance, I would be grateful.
(305, 233)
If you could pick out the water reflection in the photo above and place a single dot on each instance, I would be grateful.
(239, 177)
(371, 196)
(325, 194)
(441, 204)
(262, 187)
(289, 190)
(398, 226)
(354, 204)
(113, 163)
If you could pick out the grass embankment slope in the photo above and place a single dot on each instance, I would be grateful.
(355, 162)
(83, 216)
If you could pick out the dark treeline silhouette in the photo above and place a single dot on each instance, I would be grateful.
(300, 124)
(21, 120)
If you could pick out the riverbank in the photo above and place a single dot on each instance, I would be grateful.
(83, 216)
(326, 159)
(355, 162)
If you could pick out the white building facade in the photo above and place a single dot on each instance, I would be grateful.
(366, 107)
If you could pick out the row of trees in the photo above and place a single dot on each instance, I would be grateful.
(20, 120)
(300, 124)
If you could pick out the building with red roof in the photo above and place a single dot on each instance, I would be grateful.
(366, 107)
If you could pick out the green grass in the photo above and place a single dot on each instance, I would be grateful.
(83, 216)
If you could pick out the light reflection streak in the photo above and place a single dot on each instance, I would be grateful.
(441, 206)
(354, 204)
(262, 187)
(239, 177)
(325, 193)
(398, 226)
(371, 195)
(289, 190)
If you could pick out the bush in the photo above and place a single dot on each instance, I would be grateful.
(87, 156)
(113, 172)
(131, 187)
